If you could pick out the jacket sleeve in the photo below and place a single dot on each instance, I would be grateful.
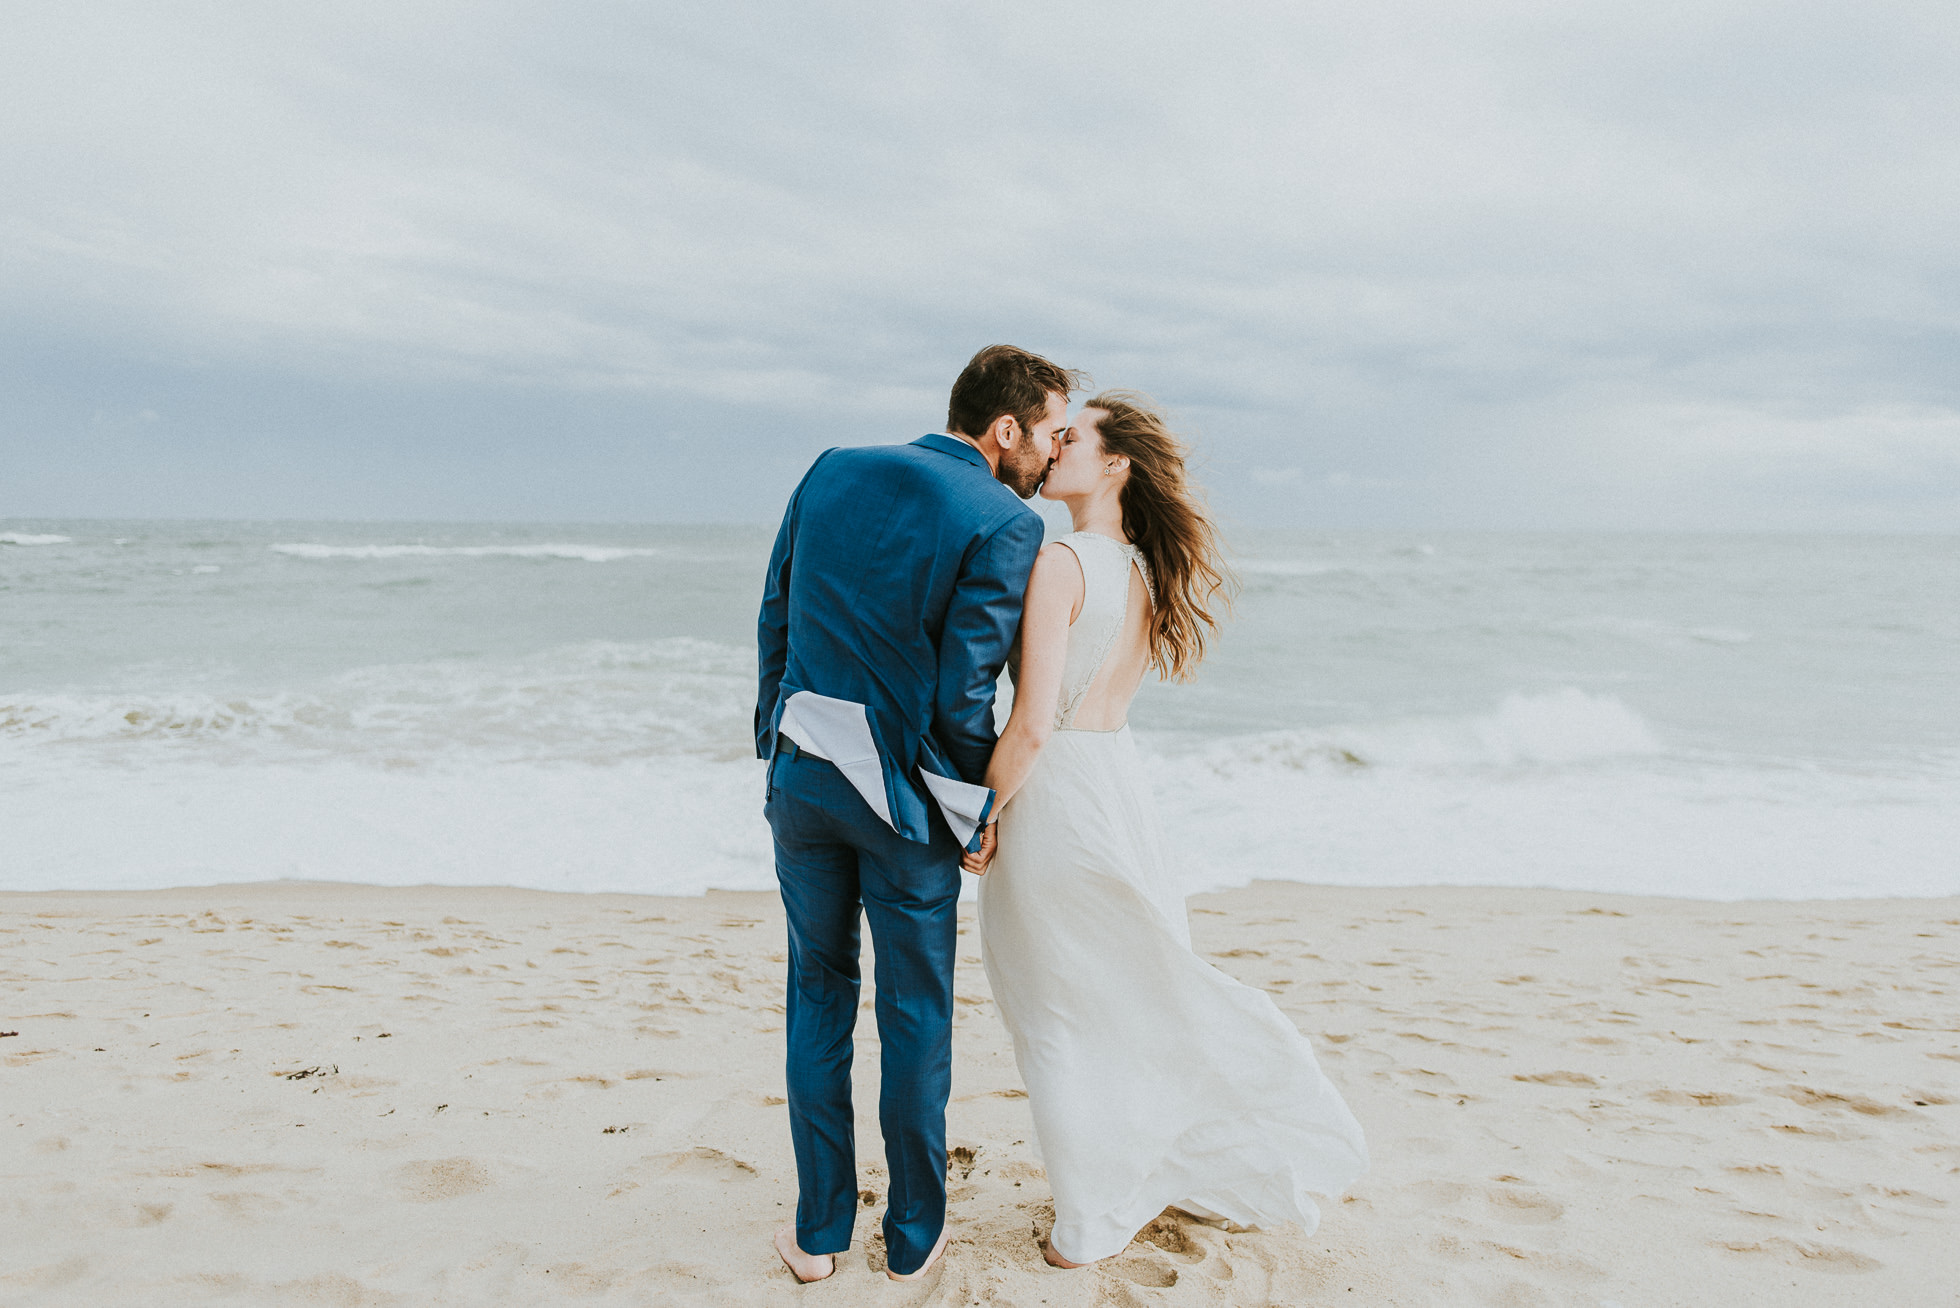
(772, 625)
(980, 626)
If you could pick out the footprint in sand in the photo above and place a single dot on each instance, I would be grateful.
(1430, 1194)
(1523, 1207)
(247, 1205)
(1199, 1246)
(1808, 1098)
(704, 1163)
(1577, 1080)
(1168, 1234)
(1142, 1270)
(1911, 1197)
(1800, 1253)
(1694, 1099)
(430, 1180)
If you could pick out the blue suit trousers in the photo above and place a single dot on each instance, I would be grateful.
(835, 858)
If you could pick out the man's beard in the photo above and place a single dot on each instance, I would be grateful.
(1023, 469)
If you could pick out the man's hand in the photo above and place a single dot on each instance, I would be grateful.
(976, 862)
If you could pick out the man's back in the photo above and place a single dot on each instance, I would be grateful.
(896, 585)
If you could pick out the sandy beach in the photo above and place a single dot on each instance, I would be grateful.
(302, 1093)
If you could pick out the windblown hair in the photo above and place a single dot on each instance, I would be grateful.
(1005, 379)
(1164, 516)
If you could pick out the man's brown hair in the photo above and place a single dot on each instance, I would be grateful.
(1005, 379)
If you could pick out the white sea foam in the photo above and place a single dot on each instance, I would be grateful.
(22, 538)
(548, 779)
(1563, 726)
(583, 553)
(597, 702)
(180, 715)
(656, 826)
(1648, 827)
(684, 824)
(1559, 789)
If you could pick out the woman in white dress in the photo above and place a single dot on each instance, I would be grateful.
(1155, 1079)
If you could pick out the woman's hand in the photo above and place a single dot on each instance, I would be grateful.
(976, 862)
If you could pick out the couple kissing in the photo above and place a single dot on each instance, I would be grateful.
(903, 579)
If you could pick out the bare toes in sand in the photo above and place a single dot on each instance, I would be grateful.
(805, 1267)
(1053, 1259)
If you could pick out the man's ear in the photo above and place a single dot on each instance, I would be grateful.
(1006, 430)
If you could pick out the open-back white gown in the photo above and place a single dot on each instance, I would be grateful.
(1155, 1079)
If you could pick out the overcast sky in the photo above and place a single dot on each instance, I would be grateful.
(1491, 264)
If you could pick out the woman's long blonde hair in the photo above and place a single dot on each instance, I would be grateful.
(1164, 517)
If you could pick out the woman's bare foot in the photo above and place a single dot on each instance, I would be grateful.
(804, 1267)
(931, 1258)
(1054, 1259)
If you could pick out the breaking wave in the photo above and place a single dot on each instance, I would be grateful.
(1562, 727)
(599, 702)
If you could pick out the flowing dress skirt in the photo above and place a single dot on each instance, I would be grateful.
(1154, 1078)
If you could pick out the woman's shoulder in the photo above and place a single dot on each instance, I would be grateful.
(1059, 558)
(1089, 549)
(1057, 578)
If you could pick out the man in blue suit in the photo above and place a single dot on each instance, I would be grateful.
(893, 594)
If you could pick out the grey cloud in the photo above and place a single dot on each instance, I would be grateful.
(1516, 264)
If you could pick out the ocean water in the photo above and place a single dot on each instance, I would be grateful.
(569, 708)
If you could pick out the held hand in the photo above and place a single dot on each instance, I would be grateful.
(976, 862)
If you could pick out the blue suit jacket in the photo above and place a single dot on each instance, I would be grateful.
(896, 583)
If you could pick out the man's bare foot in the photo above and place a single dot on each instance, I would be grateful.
(931, 1258)
(1053, 1259)
(803, 1266)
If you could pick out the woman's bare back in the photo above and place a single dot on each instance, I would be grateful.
(1105, 706)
